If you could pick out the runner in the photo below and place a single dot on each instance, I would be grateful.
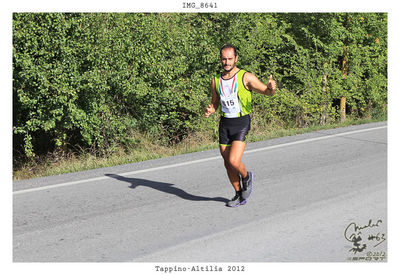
(232, 90)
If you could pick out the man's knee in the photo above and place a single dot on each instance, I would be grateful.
(234, 162)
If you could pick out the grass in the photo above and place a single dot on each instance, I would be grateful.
(59, 164)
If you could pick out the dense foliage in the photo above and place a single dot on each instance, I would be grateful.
(94, 80)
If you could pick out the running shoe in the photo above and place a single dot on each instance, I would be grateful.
(247, 187)
(236, 201)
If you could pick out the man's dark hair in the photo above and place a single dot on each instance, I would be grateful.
(228, 46)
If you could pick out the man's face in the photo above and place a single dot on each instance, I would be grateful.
(228, 59)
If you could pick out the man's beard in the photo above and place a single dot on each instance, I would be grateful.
(233, 66)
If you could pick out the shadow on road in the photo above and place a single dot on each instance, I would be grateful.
(164, 187)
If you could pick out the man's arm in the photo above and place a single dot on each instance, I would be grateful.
(214, 100)
(254, 84)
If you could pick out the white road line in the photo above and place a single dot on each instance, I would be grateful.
(315, 139)
(191, 162)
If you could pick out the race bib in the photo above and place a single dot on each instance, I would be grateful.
(229, 97)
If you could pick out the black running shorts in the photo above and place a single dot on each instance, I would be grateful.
(231, 129)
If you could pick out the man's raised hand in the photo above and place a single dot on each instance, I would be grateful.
(271, 84)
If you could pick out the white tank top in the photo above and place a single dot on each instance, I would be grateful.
(229, 96)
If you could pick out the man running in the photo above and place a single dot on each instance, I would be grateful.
(232, 90)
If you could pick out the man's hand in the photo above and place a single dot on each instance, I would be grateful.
(271, 85)
(209, 110)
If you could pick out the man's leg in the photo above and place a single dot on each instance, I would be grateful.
(233, 162)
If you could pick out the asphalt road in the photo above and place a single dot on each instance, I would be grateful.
(318, 197)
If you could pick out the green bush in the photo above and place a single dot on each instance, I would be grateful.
(93, 80)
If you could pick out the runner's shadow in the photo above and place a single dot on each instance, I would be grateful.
(164, 187)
